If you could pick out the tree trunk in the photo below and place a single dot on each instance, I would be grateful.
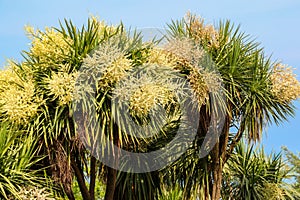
(112, 173)
(217, 155)
(80, 180)
(217, 180)
(69, 192)
(110, 184)
(216, 173)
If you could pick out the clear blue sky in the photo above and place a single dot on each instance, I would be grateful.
(274, 23)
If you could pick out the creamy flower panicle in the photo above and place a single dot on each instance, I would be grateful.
(285, 86)
(161, 57)
(49, 48)
(147, 96)
(204, 33)
(185, 51)
(61, 85)
(34, 193)
(190, 58)
(18, 98)
(108, 63)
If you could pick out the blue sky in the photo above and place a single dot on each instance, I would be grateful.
(274, 23)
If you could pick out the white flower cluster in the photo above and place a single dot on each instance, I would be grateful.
(285, 85)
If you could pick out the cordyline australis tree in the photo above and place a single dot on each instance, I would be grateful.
(42, 91)
(37, 95)
(258, 92)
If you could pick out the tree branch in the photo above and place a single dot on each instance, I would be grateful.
(238, 136)
(80, 179)
(92, 177)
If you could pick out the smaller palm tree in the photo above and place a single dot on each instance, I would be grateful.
(294, 162)
(251, 174)
(17, 158)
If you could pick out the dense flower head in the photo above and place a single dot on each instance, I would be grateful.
(185, 51)
(102, 27)
(17, 97)
(108, 64)
(205, 33)
(50, 47)
(285, 86)
(204, 82)
(31, 193)
(199, 86)
(115, 71)
(201, 75)
(145, 91)
(62, 85)
(161, 57)
(273, 191)
(144, 98)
